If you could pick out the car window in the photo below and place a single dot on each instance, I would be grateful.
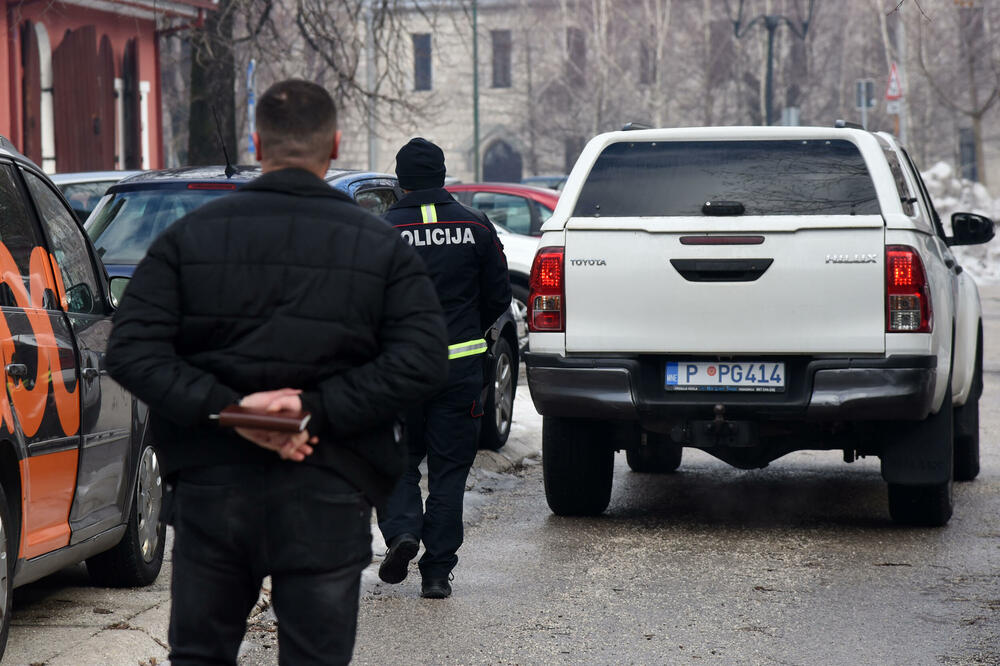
(674, 178)
(544, 212)
(507, 210)
(377, 200)
(906, 198)
(130, 221)
(81, 291)
(927, 201)
(83, 197)
(17, 231)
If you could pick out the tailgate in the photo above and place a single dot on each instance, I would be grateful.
(813, 284)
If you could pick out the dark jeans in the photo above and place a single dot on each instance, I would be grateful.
(304, 526)
(445, 430)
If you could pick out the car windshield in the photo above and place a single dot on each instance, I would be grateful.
(131, 220)
(677, 178)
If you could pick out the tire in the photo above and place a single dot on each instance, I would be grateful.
(656, 454)
(520, 295)
(921, 506)
(136, 560)
(577, 466)
(966, 423)
(8, 551)
(926, 504)
(498, 412)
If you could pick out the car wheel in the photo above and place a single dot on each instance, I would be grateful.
(967, 424)
(577, 466)
(8, 541)
(520, 298)
(499, 408)
(654, 454)
(922, 506)
(137, 558)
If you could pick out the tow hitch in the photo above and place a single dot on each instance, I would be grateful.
(719, 432)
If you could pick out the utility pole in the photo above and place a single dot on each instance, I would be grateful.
(372, 97)
(904, 108)
(771, 23)
(475, 87)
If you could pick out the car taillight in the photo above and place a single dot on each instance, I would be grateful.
(908, 299)
(547, 300)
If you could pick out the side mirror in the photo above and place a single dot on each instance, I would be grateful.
(116, 287)
(970, 229)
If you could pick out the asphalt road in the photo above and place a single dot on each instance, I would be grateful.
(794, 564)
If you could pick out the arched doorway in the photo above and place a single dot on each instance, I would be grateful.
(38, 126)
(502, 163)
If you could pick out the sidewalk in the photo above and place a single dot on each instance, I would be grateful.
(63, 621)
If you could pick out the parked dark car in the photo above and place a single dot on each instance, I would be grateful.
(84, 189)
(79, 479)
(136, 210)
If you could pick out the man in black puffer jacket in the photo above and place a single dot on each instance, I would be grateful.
(284, 295)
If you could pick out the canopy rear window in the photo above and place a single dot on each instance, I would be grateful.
(677, 178)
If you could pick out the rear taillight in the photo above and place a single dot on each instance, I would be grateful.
(908, 300)
(547, 299)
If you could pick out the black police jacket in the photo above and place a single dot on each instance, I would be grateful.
(285, 283)
(464, 257)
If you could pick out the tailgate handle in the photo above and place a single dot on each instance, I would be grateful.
(721, 270)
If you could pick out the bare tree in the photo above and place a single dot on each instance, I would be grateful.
(958, 55)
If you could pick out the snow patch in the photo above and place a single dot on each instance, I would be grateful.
(952, 194)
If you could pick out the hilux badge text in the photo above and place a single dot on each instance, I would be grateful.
(852, 258)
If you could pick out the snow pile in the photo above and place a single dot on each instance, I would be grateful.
(952, 194)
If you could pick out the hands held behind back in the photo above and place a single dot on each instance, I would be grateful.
(290, 446)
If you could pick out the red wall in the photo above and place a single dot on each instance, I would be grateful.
(57, 19)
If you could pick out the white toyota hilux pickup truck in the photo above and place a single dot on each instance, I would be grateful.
(753, 291)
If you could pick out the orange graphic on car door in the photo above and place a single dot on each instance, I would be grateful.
(48, 480)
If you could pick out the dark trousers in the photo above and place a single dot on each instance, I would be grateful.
(446, 431)
(305, 526)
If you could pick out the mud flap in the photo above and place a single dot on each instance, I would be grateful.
(920, 452)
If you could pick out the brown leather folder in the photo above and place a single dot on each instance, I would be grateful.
(235, 416)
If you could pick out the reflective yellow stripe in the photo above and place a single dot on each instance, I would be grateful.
(429, 214)
(470, 348)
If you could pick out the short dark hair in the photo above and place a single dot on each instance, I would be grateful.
(296, 119)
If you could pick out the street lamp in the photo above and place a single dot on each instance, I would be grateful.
(771, 23)
(475, 87)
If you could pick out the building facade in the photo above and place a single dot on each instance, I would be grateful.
(82, 80)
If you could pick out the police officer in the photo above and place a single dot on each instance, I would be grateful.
(465, 260)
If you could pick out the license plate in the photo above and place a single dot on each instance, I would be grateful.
(746, 376)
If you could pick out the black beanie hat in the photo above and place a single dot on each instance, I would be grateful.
(420, 165)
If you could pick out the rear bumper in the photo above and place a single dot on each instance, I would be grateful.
(631, 389)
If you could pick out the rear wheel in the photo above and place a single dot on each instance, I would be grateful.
(498, 412)
(925, 506)
(8, 557)
(654, 454)
(967, 424)
(577, 465)
(137, 558)
(520, 299)
(924, 452)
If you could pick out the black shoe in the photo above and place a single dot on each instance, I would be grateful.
(435, 588)
(397, 559)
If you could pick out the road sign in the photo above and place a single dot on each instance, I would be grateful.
(251, 103)
(864, 91)
(894, 90)
(892, 107)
